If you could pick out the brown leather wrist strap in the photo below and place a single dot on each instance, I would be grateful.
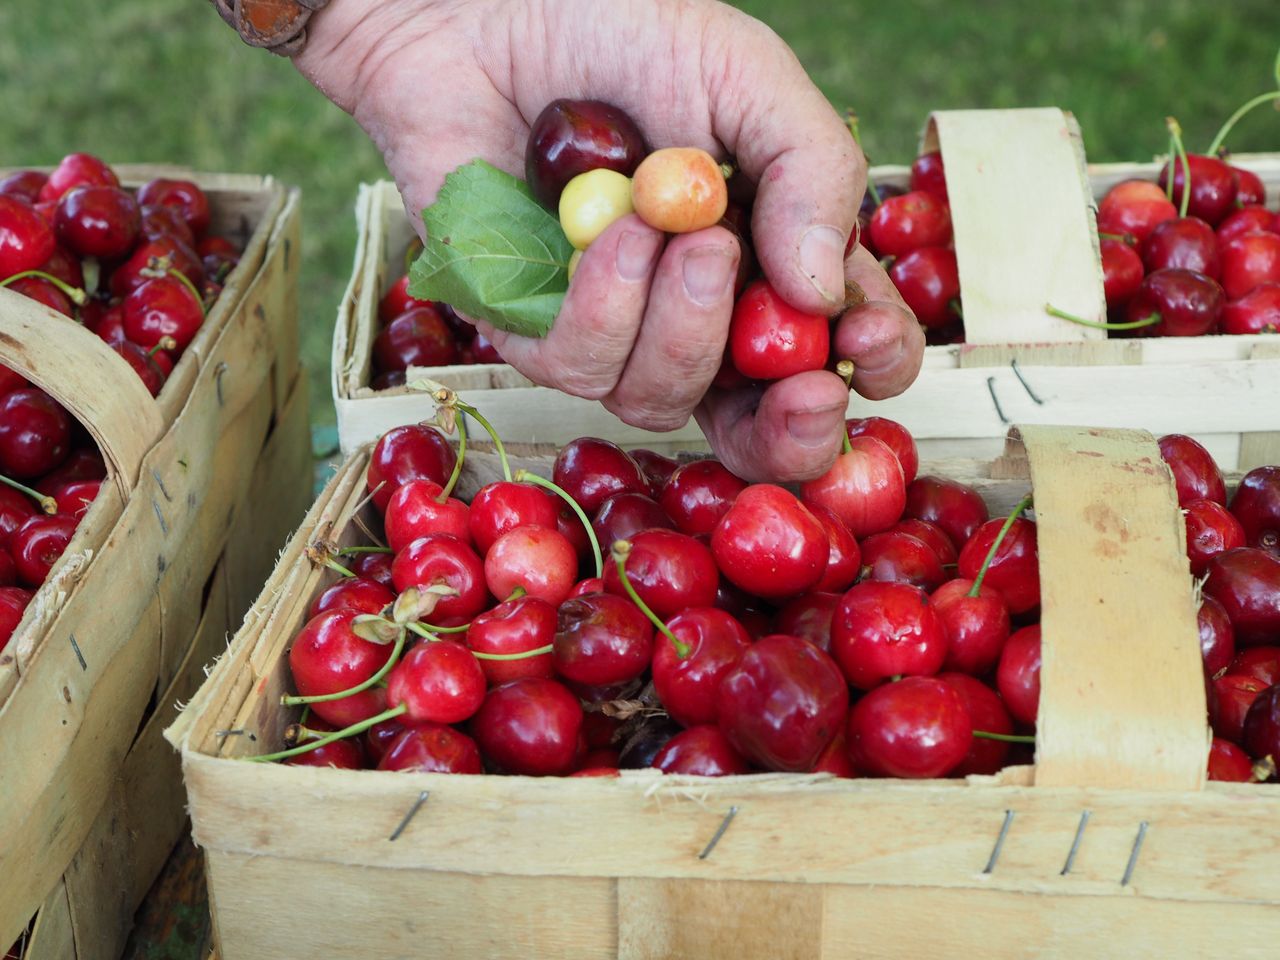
(275, 25)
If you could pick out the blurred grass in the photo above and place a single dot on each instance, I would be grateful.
(164, 80)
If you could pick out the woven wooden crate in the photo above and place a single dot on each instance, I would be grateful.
(112, 629)
(770, 866)
(1020, 198)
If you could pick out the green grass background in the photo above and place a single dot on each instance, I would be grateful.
(164, 80)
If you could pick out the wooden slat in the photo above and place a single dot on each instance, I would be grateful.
(52, 935)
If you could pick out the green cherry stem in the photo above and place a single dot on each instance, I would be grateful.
(1149, 321)
(1175, 132)
(1022, 505)
(522, 655)
(851, 121)
(350, 551)
(1004, 737)
(1118, 237)
(471, 411)
(457, 464)
(620, 550)
(1173, 157)
(186, 282)
(47, 504)
(525, 476)
(74, 294)
(164, 343)
(342, 734)
(432, 629)
(1259, 100)
(293, 701)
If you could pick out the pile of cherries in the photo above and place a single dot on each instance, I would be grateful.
(138, 269)
(635, 611)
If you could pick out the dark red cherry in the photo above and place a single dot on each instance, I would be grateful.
(929, 282)
(670, 571)
(916, 728)
(82, 463)
(23, 185)
(1187, 303)
(931, 534)
(74, 170)
(882, 630)
(1122, 272)
(397, 301)
(769, 544)
(373, 566)
(698, 494)
(514, 626)
(986, 713)
(187, 198)
(1211, 530)
(592, 470)
(432, 748)
(657, 469)
(35, 433)
(26, 240)
(340, 754)
(419, 338)
(601, 639)
(129, 275)
(1018, 674)
(326, 657)
(98, 222)
(1256, 504)
(77, 496)
(1250, 219)
(1186, 243)
(1246, 581)
(1195, 474)
(161, 221)
(1260, 662)
(439, 559)
(143, 365)
(901, 558)
(43, 292)
(529, 727)
(1249, 187)
(1014, 571)
(687, 684)
(162, 307)
(976, 627)
(1258, 311)
(65, 266)
(1213, 186)
(809, 616)
(702, 751)
(1217, 638)
(353, 593)
(13, 604)
(624, 515)
(952, 506)
(929, 174)
(1229, 763)
(407, 453)
(570, 137)
(909, 222)
(1234, 696)
(38, 544)
(844, 556)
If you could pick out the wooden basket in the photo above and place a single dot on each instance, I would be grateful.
(111, 632)
(1020, 200)
(1112, 845)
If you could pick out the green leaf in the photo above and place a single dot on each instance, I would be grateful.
(493, 252)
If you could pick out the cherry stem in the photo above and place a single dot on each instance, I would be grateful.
(348, 551)
(727, 170)
(844, 370)
(47, 504)
(186, 282)
(306, 712)
(457, 464)
(522, 655)
(299, 732)
(516, 594)
(342, 734)
(1004, 737)
(74, 294)
(1168, 184)
(1149, 321)
(620, 550)
(995, 545)
(1175, 133)
(471, 411)
(851, 121)
(1249, 105)
(895, 678)
(526, 476)
(164, 343)
(422, 630)
(433, 629)
(334, 565)
(291, 701)
(1119, 237)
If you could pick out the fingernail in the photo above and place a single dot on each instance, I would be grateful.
(822, 260)
(816, 428)
(881, 357)
(708, 271)
(636, 253)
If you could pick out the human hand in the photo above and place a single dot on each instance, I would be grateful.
(437, 83)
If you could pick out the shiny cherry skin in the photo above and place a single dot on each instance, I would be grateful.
(162, 307)
(834, 759)
(42, 291)
(326, 657)
(407, 453)
(1256, 504)
(570, 137)
(8, 569)
(1122, 272)
(1195, 473)
(514, 626)
(687, 685)
(669, 570)
(809, 616)
(782, 703)
(23, 185)
(529, 727)
(1217, 638)
(13, 604)
(38, 544)
(702, 751)
(931, 534)
(1187, 303)
(1014, 572)
(1248, 261)
(893, 435)
(929, 174)
(909, 222)
(438, 682)
(82, 463)
(74, 170)
(415, 510)
(187, 198)
(65, 266)
(864, 488)
(373, 566)
(901, 558)
(98, 222)
(143, 365)
(592, 470)
(419, 338)
(439, 558)
(624, 515)
(929, 282)
(1228, 763)
(601, 639)
(1213, 187)
(844, 556)
(976, 627)
(1246, 581)
(502, 506)
(1250, 190)
(26, 241)
(698, 494)
(164, 221)
(76, 497)
(340, 754)
(987, 713)
(882, 630)
(387, 380)
(1234, 696)
(397, 301)
(769, 339)
(1211, 530)
(769, 544)
(1018, 674)
(129, 276)
(539, 560)
(1260, 662)
(353, 593)
(1134, 208)
(1258, 311)
(1186, 243)
(917, 728)
(432, 748)
(1250, 219)
(35, 433)
(657, 469)
(954, 507)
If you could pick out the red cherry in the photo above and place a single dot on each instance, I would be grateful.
(769, 339)
(415, 510)
(26, 241)
(909, 222)
(482, 351)
(782, 703)
(687, 685)
(432, 748)
(538, 559)
(1249, 187)
(340, 754)
(986, 713)
(571, 528)
(1258, 311)
(601, 639)
(864, 488)
(769, 544)
(35, 433)
(929, 174)
(1260, 662)
(162, 307)
(702, 751)
(1213, 187)
(1018, 674)
(809, 616)
(529, 727)
(1211, 530)
(23, 185)
(1122, 271)
(42, 291)
(413, 452)
(514, 626)
(1134, 208)
(98, 221)
(901, 558)
(1217, 639)
(353, 593)
(163, 221)
(437, 682)
(143, 364)
(184, 195)
(1252, 219)
(1014, 572)
(397, 302)
(1195, 474)
(1187, 303)
(1248, 261)
(76, 497)
(82, 463)
(929, 282)
(893, 435)
(976, 627)
(1234, 695)
(13, 604)
(882, 630)
(624, 515)
(931, 534)
(439, 559)
(1246, 581)
(107, 321)
(419, 338)
(504, 505)
(1185, 243)
(74, 170)
(657, 469)
(698, 494)
(570, 137)
(326, 657)
(834, 759)
(65, 266)
(844, 557)
(387, 380)
(372, 566)
(38, 544)
(128, 276)
(670, 571)
(917, 728)
(592, 470)
(955, 508)
(1229, 763)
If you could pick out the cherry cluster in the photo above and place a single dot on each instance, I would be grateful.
(138, 269)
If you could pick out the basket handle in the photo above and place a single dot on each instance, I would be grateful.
(86, 376)
(1022, 216)
(1122, 696)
